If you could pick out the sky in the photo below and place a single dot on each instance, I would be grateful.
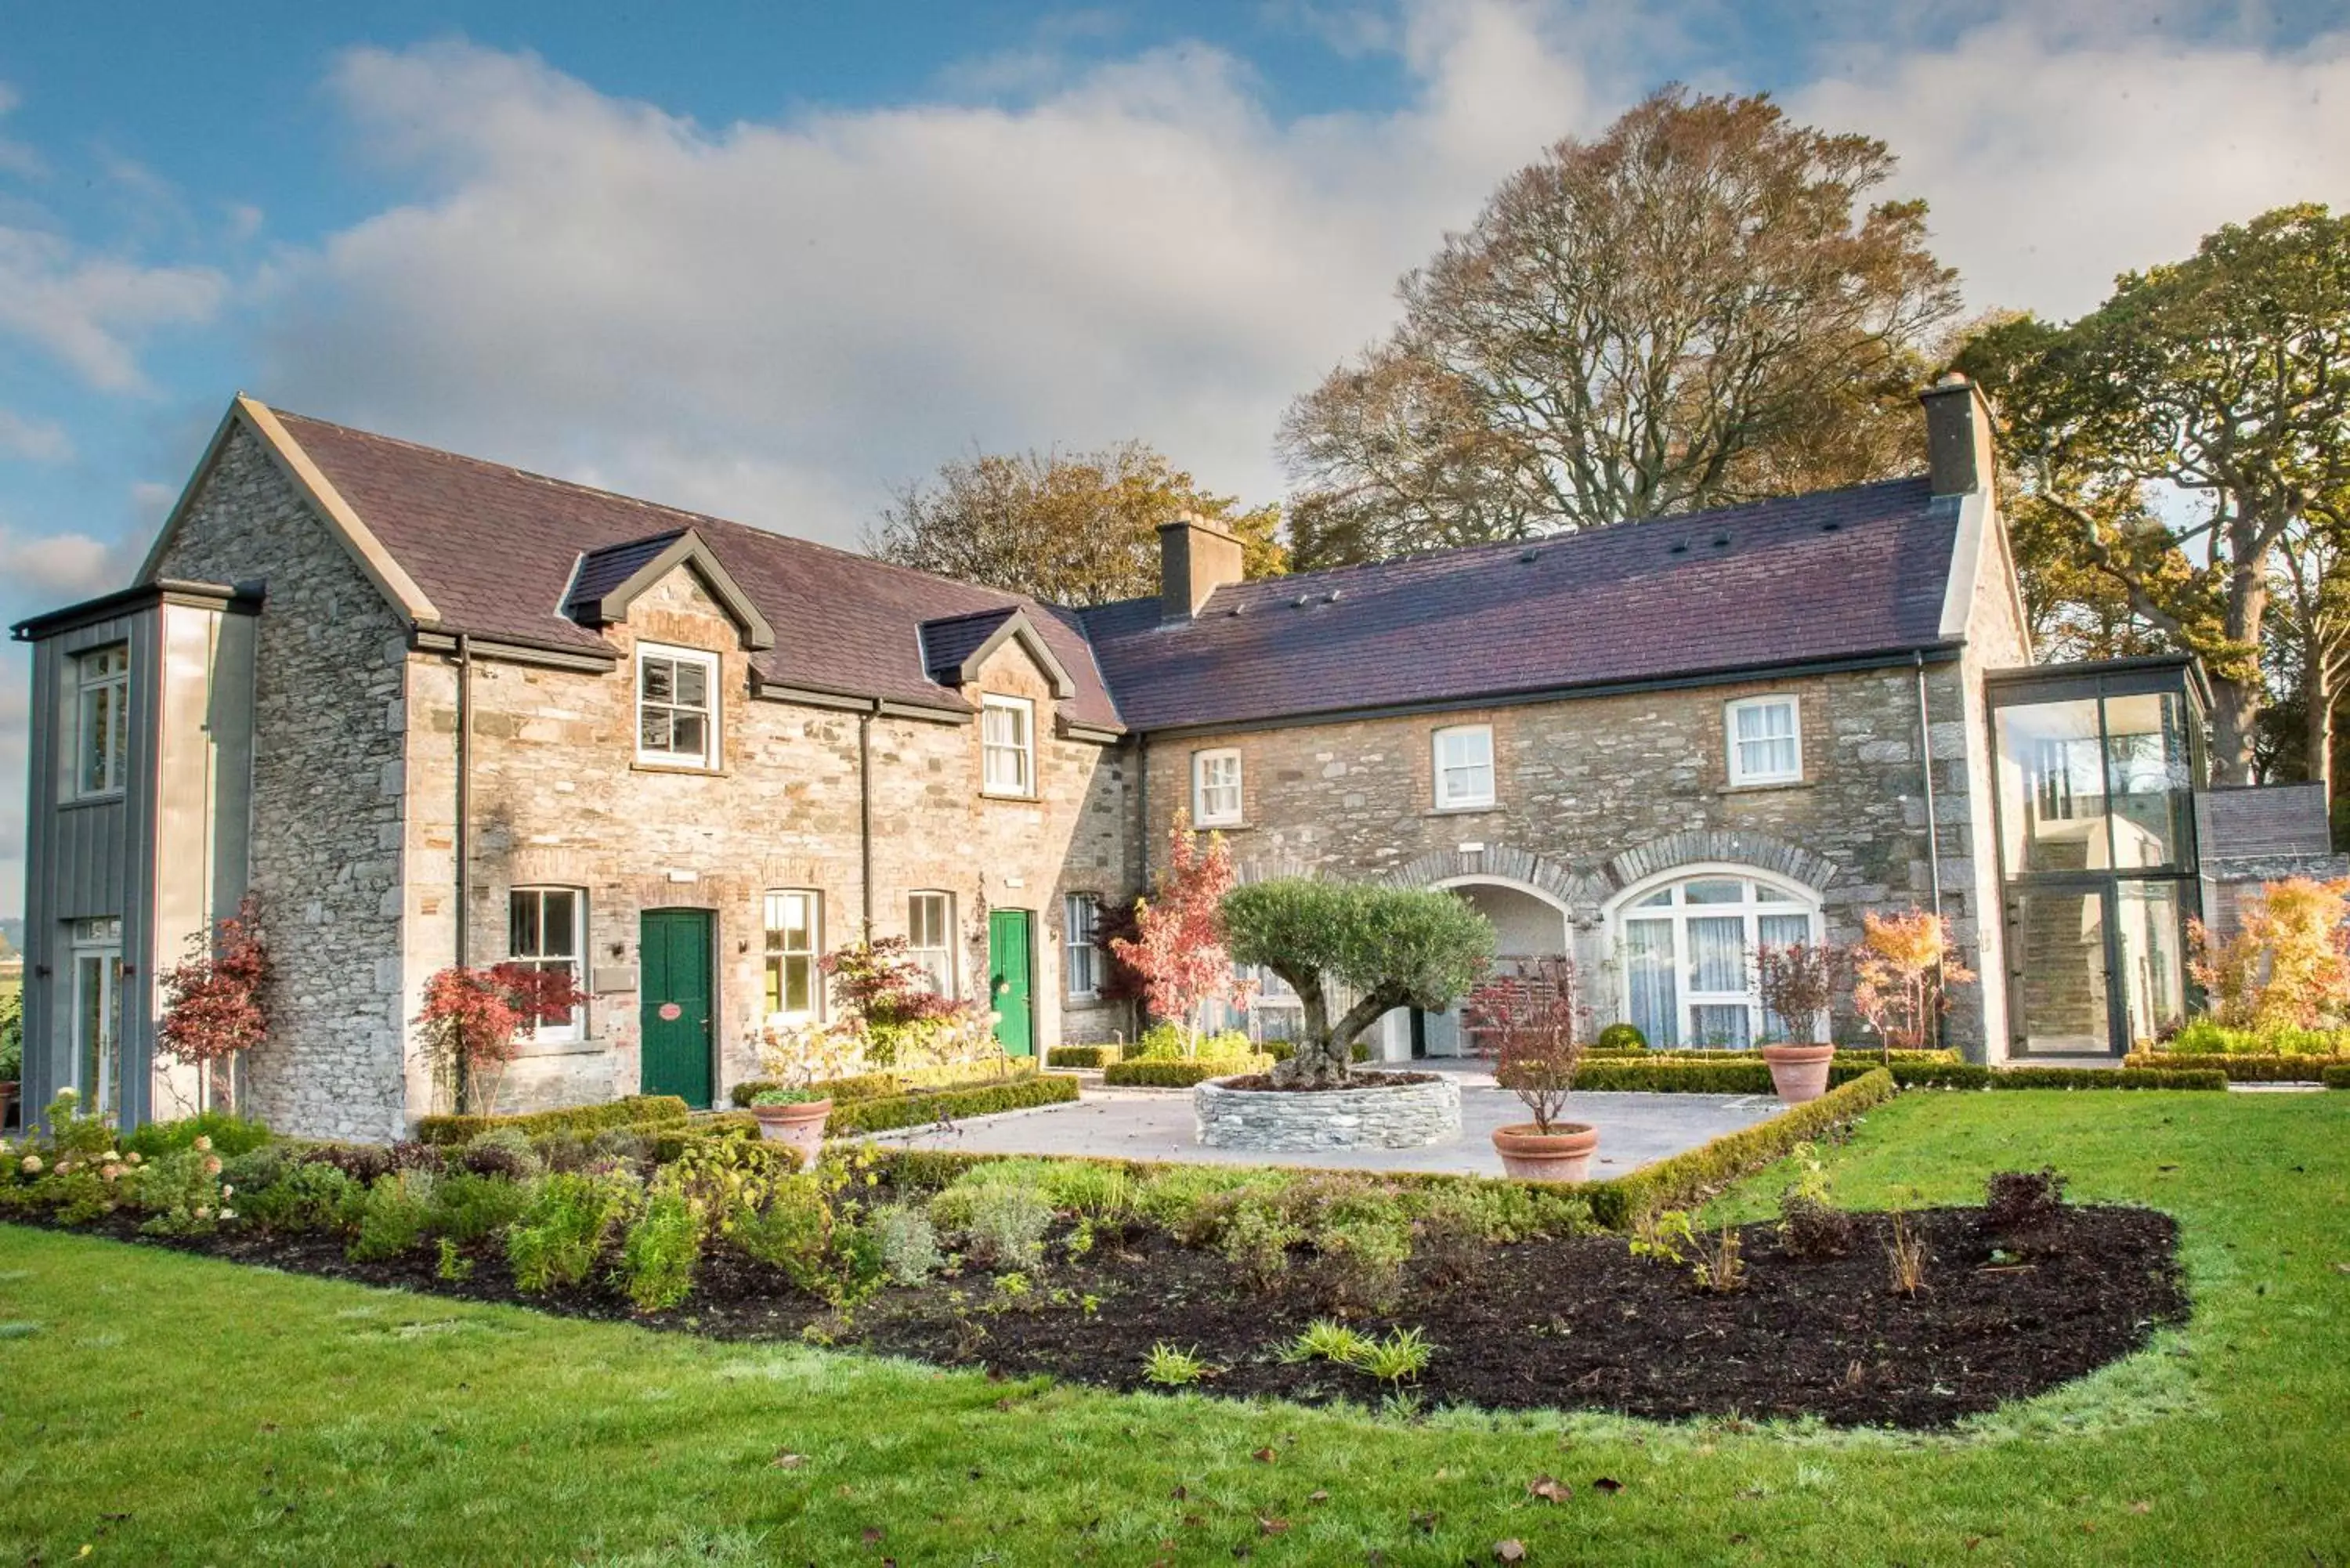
(774, 261)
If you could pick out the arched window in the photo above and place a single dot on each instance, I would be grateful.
(1687, 949)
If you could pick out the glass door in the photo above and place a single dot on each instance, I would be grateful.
(2148, 923)
(97, 1015)
(2059, 968)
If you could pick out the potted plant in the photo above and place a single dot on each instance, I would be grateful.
(793, 1116)
(1796, 982)
(1531, 1023)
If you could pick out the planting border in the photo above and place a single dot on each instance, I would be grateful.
(635, 1110)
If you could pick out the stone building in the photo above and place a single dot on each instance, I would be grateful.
(426, 706)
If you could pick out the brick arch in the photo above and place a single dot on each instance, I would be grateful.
(1580, 893)
(1732, 845)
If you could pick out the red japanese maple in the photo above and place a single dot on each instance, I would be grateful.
(1178, 949)
(216, 1000)
(473, 1021)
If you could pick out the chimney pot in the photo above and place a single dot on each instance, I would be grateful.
(1196, 557)
(1959, 452)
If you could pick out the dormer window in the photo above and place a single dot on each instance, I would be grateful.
(677, 707)
(1008, 746)
(102, 719)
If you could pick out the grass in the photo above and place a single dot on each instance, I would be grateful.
(159, 1408)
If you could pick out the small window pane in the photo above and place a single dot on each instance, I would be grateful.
(1081, 960)
(929, 923)
(1713, 892)
(546, 932)
(792, 943)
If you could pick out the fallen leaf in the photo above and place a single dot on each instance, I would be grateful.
(1549, 1489)
(872, 1535)
(1180, 1493)
(787, 1461)
(2141, 1507)
(1272, 1526)
(1607, 1484)
(1509, 1550)
(1264, 1456)
(1317, 1496)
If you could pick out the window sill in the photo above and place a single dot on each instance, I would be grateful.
(1484, 808)
(1221, 824)
(96, 797)
(649, 765)
(1014, 797)
(1764, 786)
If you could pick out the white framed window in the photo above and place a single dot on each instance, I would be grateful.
(1464, 767)
(98, 1014)
(1766, 743)
(1688, 948)
(1216, 788)
(795, 926)
(1007, 739)
(102, 719)
(929, 938)
(546, 928)
(677, 707)
(1080, 960)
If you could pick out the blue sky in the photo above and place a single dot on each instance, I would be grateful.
(774, 260)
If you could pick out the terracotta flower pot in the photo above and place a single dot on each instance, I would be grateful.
(1799, 1073)
(800, 1126)
(1562, 1154)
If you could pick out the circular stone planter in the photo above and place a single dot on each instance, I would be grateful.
(1799, 1073)
(1562, 1154)
(1368, 1114)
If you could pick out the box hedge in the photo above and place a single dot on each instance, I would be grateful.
(1158, 1073)
(636, 1110)
(897, 1080)
(883, 1113)
(1688, 1076)
(1082, 1056)
(1929, 1077)
(2337, 1078)
(2239, 1069)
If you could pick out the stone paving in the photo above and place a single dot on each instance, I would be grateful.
(1156, 1125)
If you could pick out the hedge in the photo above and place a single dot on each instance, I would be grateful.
(1972, 1077)
(2240, 1069)
(1683, 1075)
(1170, 1073)
(1082, 1056)
(1687, 1179)
(880, 1115)
(897, 1080)
(1863, 1054)
(2337, 1078)
(637, 1110)
(728, 1128)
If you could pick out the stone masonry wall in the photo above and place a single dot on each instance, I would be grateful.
(1595, 793)
(327, 797)
(559, 801)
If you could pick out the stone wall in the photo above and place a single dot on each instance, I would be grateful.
(559, 801)
(1595, 793)
(328, 791)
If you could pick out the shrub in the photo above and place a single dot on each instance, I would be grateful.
(945, 1105)
(184, 1193)
(230, 1135)
(469, 1207)
(1172, 1368)
(1360, 1263)
(2335, 1077)
(1900, 971)
(2238, 1068)
(1621, 1037)
(1796, 980)
(1811, 1226)
(1450, 1241)
(1155, 1074)
(557, 1239)
(1256, 1236)
(1508, 1211)
(1532, 1022)
(216, 999)
(815, 1241)
(308, 1195)
(2286, 967)
(898, 1080)
(1390, 947)
(1188, 1201)
(1166, 1042)
(661, 1251)
(472, 1017)
(1081, 1056)
(2018, 1205)
(635, 1110)
(393, 1216)
(909, 1244)
(501, 1151)
(362, 1162)
(1094, 1192)
(2210, 1037)
(1007, 1226)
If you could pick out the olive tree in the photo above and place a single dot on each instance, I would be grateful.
(1389, 947)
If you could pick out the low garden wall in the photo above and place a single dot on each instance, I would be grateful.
(1383, 1115)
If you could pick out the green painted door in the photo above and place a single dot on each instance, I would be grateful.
(1010, 968)
(673, 1003)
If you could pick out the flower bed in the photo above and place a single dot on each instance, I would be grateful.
(1408, 1111)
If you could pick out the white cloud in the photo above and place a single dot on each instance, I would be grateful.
(88, 311)
(59, 568)
(36, 440)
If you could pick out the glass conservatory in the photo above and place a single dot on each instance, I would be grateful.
(2098, 769)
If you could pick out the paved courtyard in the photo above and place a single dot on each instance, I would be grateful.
(1156, 1124)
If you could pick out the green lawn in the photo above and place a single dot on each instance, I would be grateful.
(161, 1408)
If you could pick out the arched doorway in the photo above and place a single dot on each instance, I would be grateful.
(1684, 942)
(1527, 923)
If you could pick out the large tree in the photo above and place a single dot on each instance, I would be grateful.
(1071, 528)
(1698, 307)
(2192, 431)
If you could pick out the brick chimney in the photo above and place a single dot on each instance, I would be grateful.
(1958, 453)
(1195, 558)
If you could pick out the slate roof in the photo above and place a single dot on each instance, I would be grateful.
(601, 570)
(1838, 573)
(494, 548)
(947, 642)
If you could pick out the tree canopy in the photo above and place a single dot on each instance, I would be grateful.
(1695, 309)
(1071, 528)
(1390, 947)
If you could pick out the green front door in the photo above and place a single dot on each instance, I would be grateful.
(1010, 969)
(673, 1003)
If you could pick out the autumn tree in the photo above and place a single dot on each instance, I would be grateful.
(1700, 306)
(1902, 967)
(216, 998)
(1178, 950)
(1074, 528)
(2186, 428)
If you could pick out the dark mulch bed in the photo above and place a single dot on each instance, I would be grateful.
(1579, 1323)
